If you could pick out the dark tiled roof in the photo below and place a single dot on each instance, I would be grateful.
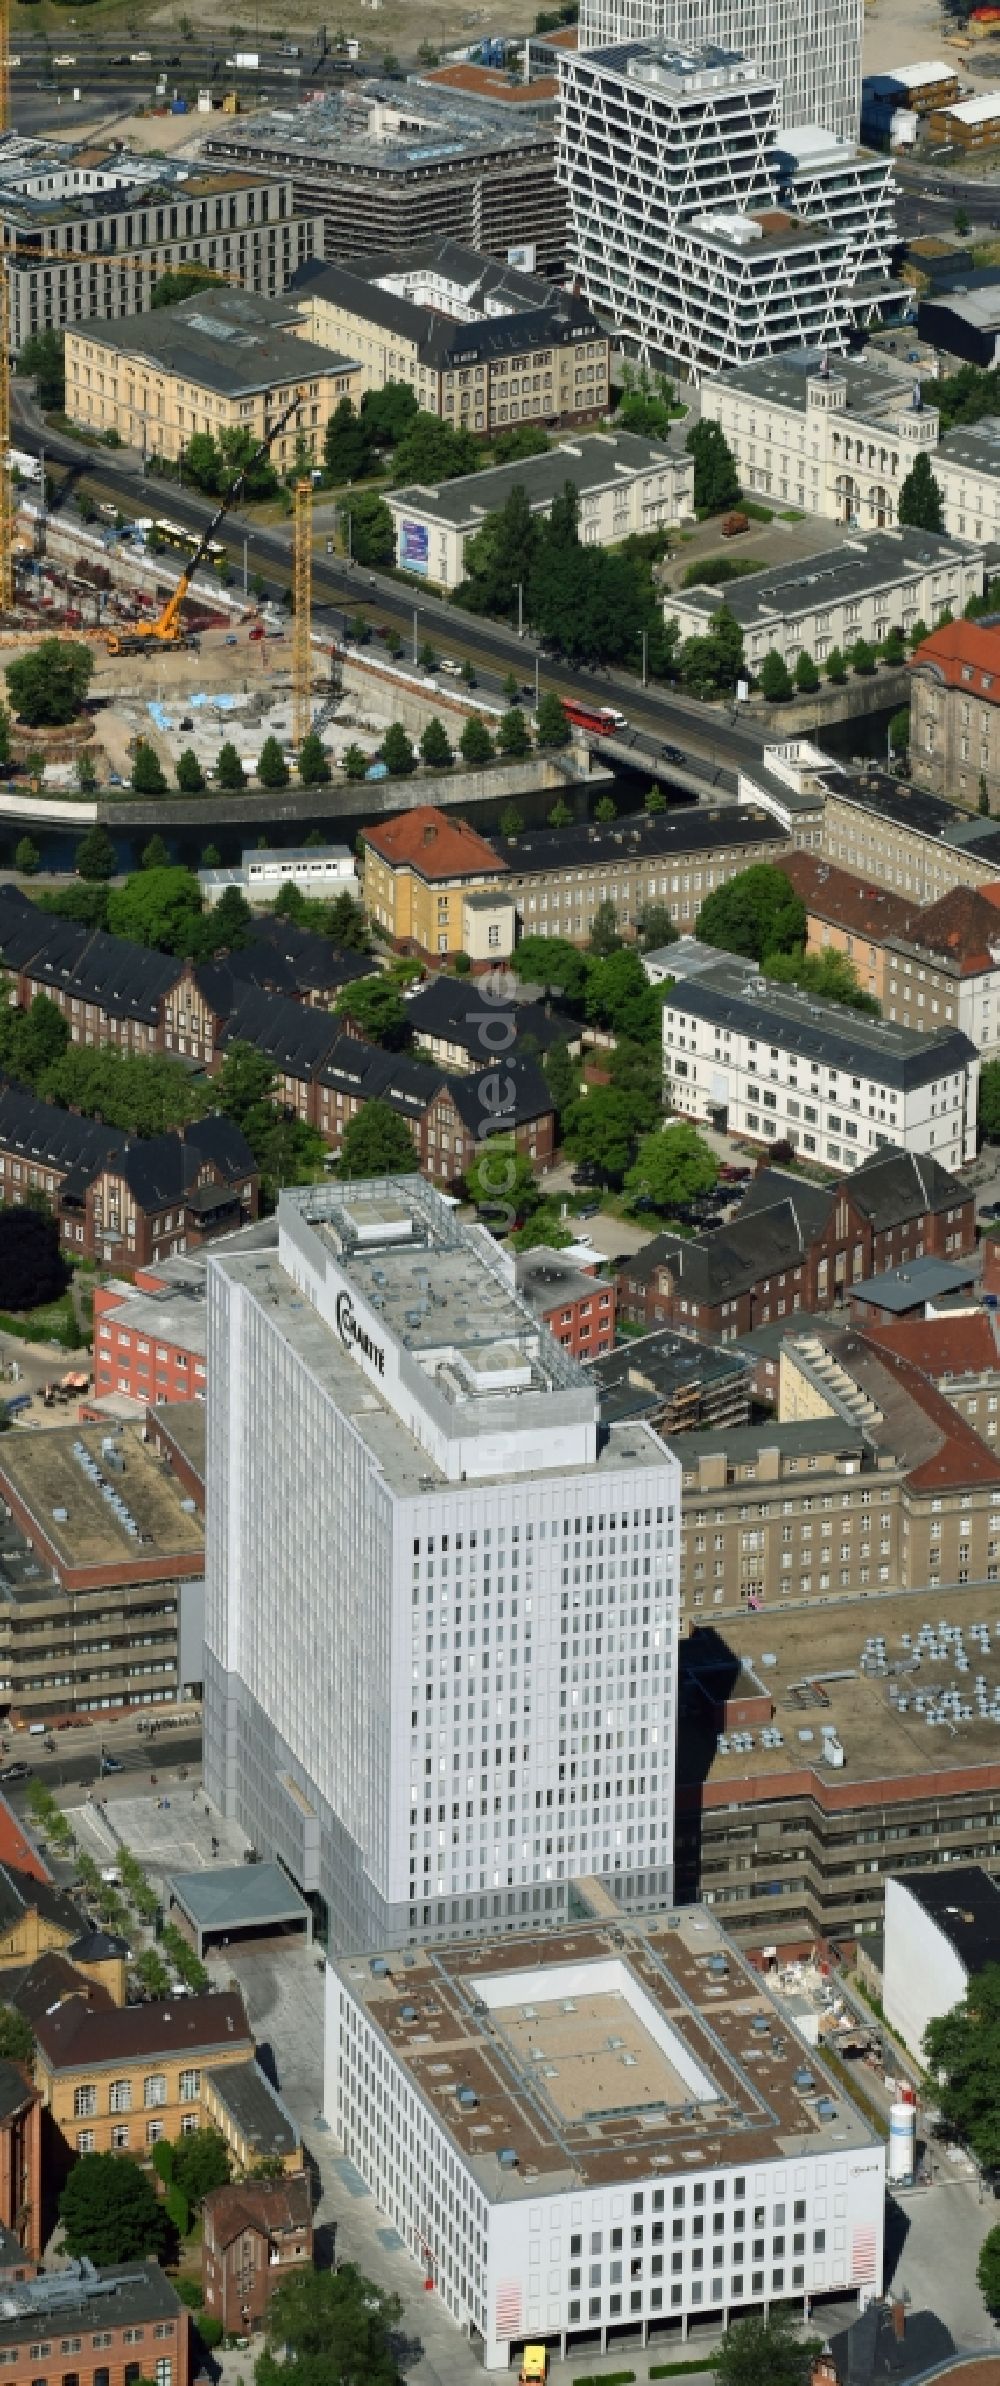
(896, 1056)
(256, 2108)
(127, 979)
(15, 2090)
(453, 1011)
(771, 1186)
(20, 1893)
(442, 342)
(315, 963)
(271, 2206)
(53, 1137)
(128, 2293)
(524, 1092)
(162, 1169)
(294, 1038)
(686, 829)
(48, 1982)
(76, 2034)
(894, 1187)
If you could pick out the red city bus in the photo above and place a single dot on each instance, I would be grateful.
(601, 719)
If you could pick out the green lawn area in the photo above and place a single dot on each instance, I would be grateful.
(49, 1323)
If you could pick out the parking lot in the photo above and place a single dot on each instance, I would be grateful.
(169, 1830)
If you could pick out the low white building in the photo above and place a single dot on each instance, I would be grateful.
(889, 579)
(322, 870)
(839, 440)
(764, 1060)
(941, 1928)
(601, 2130)
(623, 482)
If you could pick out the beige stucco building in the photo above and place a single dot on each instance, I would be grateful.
(222, 361)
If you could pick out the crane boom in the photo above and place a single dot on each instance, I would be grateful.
(164, 629)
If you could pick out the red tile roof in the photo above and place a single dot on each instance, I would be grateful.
(844, 900)
(961, 926)
(940, 1346)
(964, 654)
(492, 83)
(427, 841)
(15, 1850)
(961, 1458)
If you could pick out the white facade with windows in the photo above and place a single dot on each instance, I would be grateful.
(679, 224)
(769, 1062)
(441, 1605)
(890, 579)
(563, 2180)
(810, 49)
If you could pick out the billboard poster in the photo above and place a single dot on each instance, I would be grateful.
(523, 257)
(414, 546)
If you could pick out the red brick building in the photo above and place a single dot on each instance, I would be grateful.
(149, 1342)
(117, 2326)
(578, 1306)
(253, 2234)
(794, 1245)
(21, 2159)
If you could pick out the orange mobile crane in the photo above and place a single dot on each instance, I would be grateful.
(167, 629)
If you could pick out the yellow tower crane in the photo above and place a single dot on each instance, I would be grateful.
(302, 613)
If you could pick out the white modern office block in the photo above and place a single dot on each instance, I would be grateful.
(811, 49)
(441, 1600)
(610, 2127)
(677, 222)
(767, 1061)
(852, 190)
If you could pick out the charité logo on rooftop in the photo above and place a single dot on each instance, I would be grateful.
(354, 1337)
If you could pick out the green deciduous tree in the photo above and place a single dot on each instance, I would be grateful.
(655, 927)
(758, 912)
(716, 480)
(562, 1076)
(95, 854)
(17, 2044)
(500, 556)
(835, 667)
(431, 450)
(377, 1142)
(376, 1010)
(806, 674)
(475, 743)
(988, 2270)
(387, 413)
(620, 997)
(553, 962)
(654, 800)
(862, 658)
(830, 975)
(605, 810)
(713, 662)
(147, 771)
(43, 355)
(228, 927)
(502, 1182)
(110, 2211)
(511, 821)
(514, 446)
(272, 769)
(435, 746)
(757, 2352)
(201, 2162)
(172, 287)
(314, 766)
(346, 445)
(27, 857)
(160, 908)
(671, 1167)
(920, 501)
(189, 773)
(963, 2054)
(32, 1040)
(48, 686)
(353, 762)
(605, 935)
(154, 856)
(373, 531)
(330, 2328)
(600, 1130)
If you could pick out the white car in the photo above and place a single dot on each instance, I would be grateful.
(453, 669)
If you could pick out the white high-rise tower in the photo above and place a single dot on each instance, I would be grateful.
(810, 48)
(441, 1598)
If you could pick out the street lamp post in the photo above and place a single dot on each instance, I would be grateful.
(246, 545)
(414, 637)
(520, 609)
(645, 655)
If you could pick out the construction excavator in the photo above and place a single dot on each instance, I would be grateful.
(167, 629)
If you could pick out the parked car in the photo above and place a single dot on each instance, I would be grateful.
(16, 1772)
(112, 1764)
